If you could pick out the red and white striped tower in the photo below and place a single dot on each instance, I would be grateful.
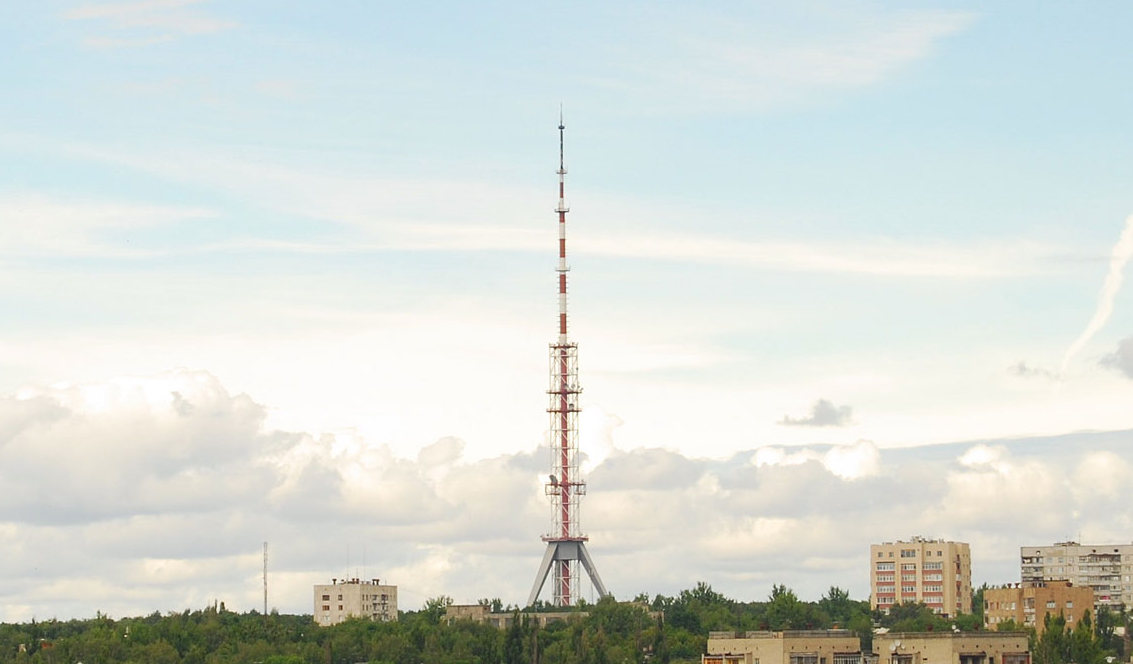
(566, 546)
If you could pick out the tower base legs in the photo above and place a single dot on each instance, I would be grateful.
(565, 550)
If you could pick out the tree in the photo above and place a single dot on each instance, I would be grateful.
(435, 608)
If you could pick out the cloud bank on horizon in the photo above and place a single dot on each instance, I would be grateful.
(155, 493)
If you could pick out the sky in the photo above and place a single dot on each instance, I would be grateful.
(283, 272)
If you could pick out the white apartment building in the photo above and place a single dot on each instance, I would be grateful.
(1106, 568)
(354, 598)
(930, 571)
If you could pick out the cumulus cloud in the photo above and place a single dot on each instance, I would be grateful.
(171, 484)
(844, 461)
(1122, 358)
(822, 414)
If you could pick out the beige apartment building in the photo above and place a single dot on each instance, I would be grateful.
(931, 571)
(1105, 568)
(1028, 604)
(832, 646)
(354, 598)
(951, 648)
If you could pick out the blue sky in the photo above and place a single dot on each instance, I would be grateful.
(904, 212)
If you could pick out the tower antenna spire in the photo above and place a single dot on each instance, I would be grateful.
(566, 545)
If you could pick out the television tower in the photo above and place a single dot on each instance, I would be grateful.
(566, 546)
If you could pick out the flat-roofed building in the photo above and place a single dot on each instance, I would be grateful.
(1105, 568)
(934, 572)
(831, 646)
(951, 648)
(354, 598)
(1028, 604)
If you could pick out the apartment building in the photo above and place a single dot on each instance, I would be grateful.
(1105, 568)
(930, 571)
(354, 598)
(830, 646)
(951, 648)
(1028, 604)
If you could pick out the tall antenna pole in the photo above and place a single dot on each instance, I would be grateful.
(566, 546)
(265, 578)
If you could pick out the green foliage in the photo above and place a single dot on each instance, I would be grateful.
(611, 633)
(1082, 645)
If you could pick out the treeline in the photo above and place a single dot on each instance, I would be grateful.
(610, 633)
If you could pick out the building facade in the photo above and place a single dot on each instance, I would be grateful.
(951, 648)
(931, 571)
(354, 598)
(833, 646)
(1028, 604)
(1105, 568)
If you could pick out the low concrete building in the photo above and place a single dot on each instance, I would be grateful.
(479, 613)
(354, 598)
(832, 646)
(951, 648)
(1028, 604)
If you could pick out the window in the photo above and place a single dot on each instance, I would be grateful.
(804, 658)
(884, 567)
(908, 566)
(936, 565)
(326, 607)
(339, 607)
(1070, 604)
(906, 589)
(1050, 604)
(326, 598)
(340, 598)
(908, 553)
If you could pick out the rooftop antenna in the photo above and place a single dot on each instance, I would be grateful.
(566, 545)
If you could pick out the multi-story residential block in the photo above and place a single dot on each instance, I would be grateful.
(931, 571)
(354, 598)
(832, 646)
(1028, 604)
(1106, 568)
(951, 648)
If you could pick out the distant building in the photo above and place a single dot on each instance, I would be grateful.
(1105, 568)
(479, 613)
(1028, 604)
(931, 571)
(951, 648)
(831, 646)
(354, 598)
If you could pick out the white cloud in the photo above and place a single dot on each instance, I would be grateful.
(145, 22)
(141, 469)
(847, 462)
(35, 224)
(368, 212)
(745, 66)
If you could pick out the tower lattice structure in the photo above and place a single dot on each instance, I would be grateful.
(566, 545)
